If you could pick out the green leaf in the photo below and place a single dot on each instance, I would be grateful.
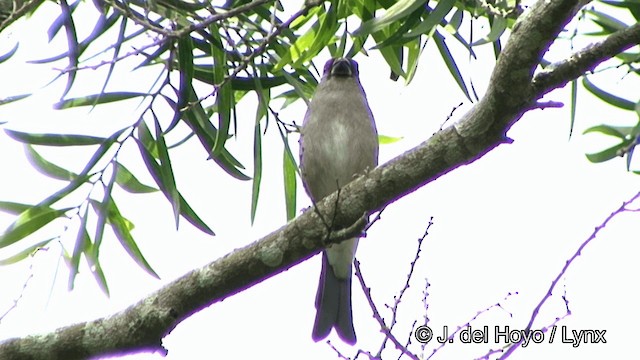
(454, 23)
(413, 55)
(46, 167)
(300, 46)
(28, 222)
(54, 139)
(257, 168)
(116, 46)
(196, 118)
(57, 23)
(186, 210)
(632, 6)
(186, 70)
(122, 229)
(324, 36)
(629, 156)
(13, 207)
(101, 209)
(396, 12)
(26, 252)
(303, 91)
(94, 266)
(608, 154)
(92, 100)
(224, 103)
(289, 169)
(498, 26)
(397, 36)
(608, 97)
(82, 241)
(318, 37)
(621, 132)
(72, 43)
(71, 186)
(451, 63)
(166, 171)
(128, 182)
(384, 140)
(608, 23)
(13, 98)
(435, 17)
(261, 112)
(391, 55)
(205, 74)
(9, 54)
(342, 45)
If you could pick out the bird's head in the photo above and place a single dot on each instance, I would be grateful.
(341, 68)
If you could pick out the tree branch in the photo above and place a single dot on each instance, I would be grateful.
(585, 60)
(512, 92)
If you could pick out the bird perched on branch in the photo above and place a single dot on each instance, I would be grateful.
(338, 141)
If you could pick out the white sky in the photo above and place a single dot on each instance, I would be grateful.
(504, 224)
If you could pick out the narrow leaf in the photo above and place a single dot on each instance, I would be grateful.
(608, 97)
(123, 232)
(82, 241)
(608, 23)
(185, 209)
(197, 120)
(289, 176)
(435, 17)
(257, 169)
(71, 186)
(498, 26)
(9, 54)
(224, 99)
(26, 252)
(96, 269)
(46, 167)
(13, 207)
(166, 171)
(621, 132)
(54, 139)
(128, 182)
(92, 100)
(413, 57)
(384, 139)
(13, 98)
(72, 43)
(188, 213)
(451, 63)
(29, 222)
(185, 67)
(607, 154)
(396, 12)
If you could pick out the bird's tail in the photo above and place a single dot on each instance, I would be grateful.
(333, 304)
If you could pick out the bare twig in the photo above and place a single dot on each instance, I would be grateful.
(566, 266)
(398, 299)
(376, 314)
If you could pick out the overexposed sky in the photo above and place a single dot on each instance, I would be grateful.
(504, 224)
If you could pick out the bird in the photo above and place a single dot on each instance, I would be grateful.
(338, 141)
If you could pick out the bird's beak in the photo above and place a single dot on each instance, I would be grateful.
(342, 68)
